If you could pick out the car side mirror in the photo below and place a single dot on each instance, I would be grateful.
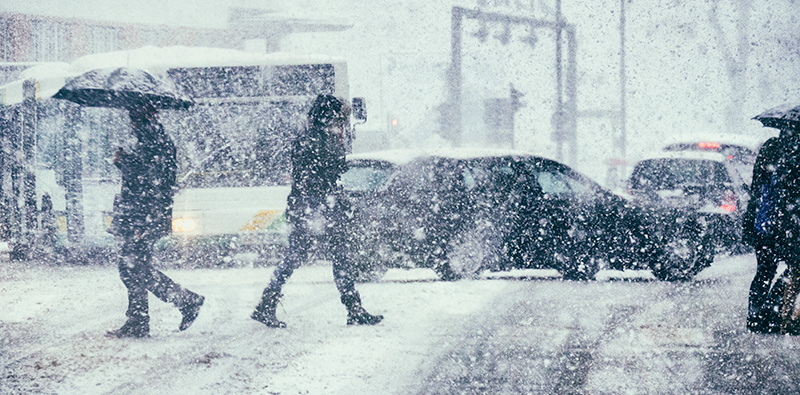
(359, 110)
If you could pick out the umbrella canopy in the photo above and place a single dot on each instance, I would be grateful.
(123, 87)
(787, 115)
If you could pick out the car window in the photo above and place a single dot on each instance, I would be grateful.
(476, 175)
(365, 178)
(743, 171)
(666, 173)
(469, 178)
(719, 173)
(553, 183)
(431, 175)
(740, 155)
(741, 159)
(580, 187)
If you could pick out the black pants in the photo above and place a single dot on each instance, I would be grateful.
(316, 220)
(760, 295)
(139, 276)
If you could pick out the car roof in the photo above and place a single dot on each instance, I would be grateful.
(749, 141)
(403, 156)
(689, 155)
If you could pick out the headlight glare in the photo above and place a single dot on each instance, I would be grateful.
(184, 225)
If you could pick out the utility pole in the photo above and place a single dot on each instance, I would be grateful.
(623, 82)
(558, 125)
(454, 79)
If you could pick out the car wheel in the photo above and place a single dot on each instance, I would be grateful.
(470, 252)
(686, 253)
(580, 261)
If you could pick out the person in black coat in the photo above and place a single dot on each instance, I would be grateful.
(789, 219)
(776, 165)
(317, 211)
(143, 215)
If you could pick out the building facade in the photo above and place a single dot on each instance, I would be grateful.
(29, 39)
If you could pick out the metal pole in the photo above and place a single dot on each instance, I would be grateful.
(572, 93)
(559, 126)
(623, 139)
(16, 173)
(73, 177)
(4, 128)
(454, 83)
(28, 185)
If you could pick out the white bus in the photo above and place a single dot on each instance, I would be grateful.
(232, 144)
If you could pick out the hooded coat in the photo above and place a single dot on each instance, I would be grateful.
(780, 155)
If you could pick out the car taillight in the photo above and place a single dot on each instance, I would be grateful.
(729, 202)
(707, 145)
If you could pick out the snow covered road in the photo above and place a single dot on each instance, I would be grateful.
(522, 331)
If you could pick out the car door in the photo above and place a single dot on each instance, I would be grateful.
(555, 214)
(595, 212)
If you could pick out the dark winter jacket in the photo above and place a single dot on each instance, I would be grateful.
(318, 159)
(148, 184)
(781, 155)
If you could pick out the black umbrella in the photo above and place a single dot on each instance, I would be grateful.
(787, 115)
(123, 88)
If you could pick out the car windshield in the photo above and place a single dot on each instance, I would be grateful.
(659, 174)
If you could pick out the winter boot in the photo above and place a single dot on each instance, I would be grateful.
(789, 298)
(356, 315)
(190, 309)
(265, 311)
(133, 327)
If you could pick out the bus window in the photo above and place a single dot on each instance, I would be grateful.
(236, 145)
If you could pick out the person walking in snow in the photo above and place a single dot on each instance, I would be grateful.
(789, 211)
(143, 215)
(761, 317)
(316, 211)
(769, 226)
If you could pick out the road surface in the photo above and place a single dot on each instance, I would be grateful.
(517, 332)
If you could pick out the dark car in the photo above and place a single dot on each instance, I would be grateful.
(462, 211)
(700, 184)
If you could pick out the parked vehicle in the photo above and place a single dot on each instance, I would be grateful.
(702, 184)
(462, 211)
(739, 150)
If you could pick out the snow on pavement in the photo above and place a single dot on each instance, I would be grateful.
(54, 319)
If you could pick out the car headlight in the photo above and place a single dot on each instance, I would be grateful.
(184, 225)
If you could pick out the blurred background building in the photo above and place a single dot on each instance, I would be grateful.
(28, 38)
